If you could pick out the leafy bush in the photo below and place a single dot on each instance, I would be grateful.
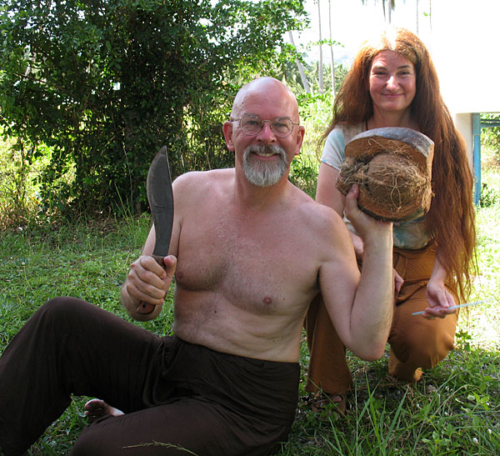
(104, 84)
(489, 196)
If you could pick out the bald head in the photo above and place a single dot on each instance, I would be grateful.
(268, 90)
(264, 124)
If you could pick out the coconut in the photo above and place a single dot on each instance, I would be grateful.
(393, 169)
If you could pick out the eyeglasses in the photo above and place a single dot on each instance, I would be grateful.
(252, 125)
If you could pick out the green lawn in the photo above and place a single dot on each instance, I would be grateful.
(455, 409)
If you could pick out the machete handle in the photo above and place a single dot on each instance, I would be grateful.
(145, 308)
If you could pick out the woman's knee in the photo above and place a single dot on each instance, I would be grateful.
(425, 349)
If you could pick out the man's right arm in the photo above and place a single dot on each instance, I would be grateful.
(147, 282)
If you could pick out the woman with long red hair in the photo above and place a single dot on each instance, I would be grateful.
(393, 83)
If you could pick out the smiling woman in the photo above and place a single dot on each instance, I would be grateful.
(393, 84)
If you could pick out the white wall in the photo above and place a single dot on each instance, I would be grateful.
(465, 43)
(465, 46)
(463, 122)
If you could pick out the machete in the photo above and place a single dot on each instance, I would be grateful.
(161, 203)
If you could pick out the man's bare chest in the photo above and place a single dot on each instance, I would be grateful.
(249, 261)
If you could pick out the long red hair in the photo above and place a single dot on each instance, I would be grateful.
(451, 218)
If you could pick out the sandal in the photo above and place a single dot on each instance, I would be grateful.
(329, 404)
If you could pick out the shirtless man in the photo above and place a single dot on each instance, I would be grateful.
(249, 252)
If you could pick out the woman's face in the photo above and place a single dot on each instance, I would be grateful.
(392, 83)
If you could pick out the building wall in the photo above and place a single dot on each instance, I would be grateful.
(463, 122)
(464, 45)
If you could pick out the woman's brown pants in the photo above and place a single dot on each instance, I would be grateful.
(416, 342)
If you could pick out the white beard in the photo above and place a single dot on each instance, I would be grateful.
(264, 173)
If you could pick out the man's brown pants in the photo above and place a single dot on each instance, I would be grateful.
(176, 396)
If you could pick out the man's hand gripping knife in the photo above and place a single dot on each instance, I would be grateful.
(147, 282)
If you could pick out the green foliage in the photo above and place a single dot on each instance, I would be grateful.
(311, 70)
(19, 195)
(303, 173)
(490, 137)
(489, 196)
(315, 114)
(490, 164)
(104, 84)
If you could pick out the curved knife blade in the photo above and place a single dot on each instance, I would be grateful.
(161, 203)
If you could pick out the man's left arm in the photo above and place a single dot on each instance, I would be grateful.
(361, 305)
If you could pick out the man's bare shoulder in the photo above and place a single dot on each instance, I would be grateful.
(199, 177)
(199, 182)
(322, 224)
(316, 213)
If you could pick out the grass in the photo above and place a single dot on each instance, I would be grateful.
(454, 410)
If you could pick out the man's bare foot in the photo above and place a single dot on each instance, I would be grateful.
(97, 408)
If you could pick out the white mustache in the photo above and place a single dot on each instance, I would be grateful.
(267, 150)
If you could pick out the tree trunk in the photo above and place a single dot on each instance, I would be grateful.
(320, 68)
(430, 14)
(417, 3)
(331, 47)
(303, 77)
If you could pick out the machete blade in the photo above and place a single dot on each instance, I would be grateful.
(161, 203)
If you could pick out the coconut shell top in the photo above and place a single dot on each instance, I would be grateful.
(393, 168)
